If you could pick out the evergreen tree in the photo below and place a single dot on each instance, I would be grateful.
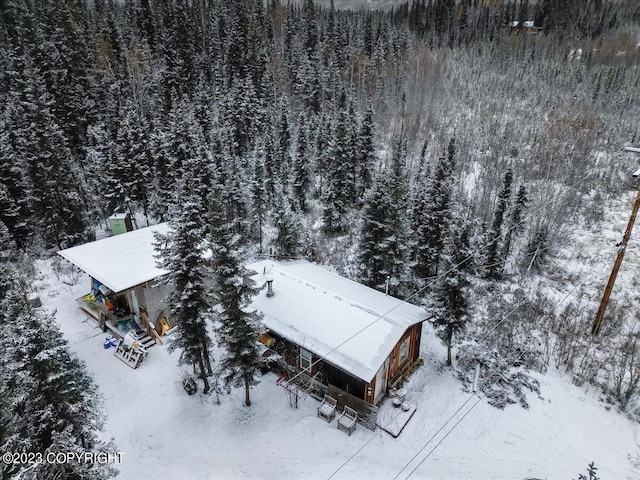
(451, 312)
(301, 180)
(173, 149)
(232, 191)
(431, 217)
(127, 164)
(177, 52)
(270, 169)
(8, 251)
(183, 254)
(381, 245)
(282, 152)
(337, 193)
(133, 147)
(494, 262)
(51, 401)
(57, 195)
(14, 199)
(365, 158)
(288, 228)
(3, 408)
(258, 198)
(515, 223)
(237, 327)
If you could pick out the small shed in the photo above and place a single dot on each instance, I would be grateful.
(120, 223)
(344, 335)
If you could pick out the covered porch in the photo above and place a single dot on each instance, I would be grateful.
(120, 314)
(124, 294)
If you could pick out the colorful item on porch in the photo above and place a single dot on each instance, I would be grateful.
(89, 298)
(164, 327)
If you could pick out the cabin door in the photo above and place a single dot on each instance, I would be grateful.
(381, 382)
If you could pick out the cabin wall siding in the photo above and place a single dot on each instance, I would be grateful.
(331, 375)
(396, 368)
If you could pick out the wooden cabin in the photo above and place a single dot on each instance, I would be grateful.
(339, 333)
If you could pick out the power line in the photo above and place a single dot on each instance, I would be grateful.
(396, 416)
(434, 436)
(470, 397)
(444, 438)
(420, 290)
(433, 280)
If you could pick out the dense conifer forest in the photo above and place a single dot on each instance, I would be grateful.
(434, 149)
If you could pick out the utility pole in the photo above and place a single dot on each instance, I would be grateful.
(616, 266)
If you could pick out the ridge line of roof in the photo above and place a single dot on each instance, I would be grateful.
(353, 302)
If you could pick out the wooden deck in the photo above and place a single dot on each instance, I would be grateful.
(105, 320)
(393, 419)
(367, 413)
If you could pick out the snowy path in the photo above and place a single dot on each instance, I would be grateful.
(165, 434)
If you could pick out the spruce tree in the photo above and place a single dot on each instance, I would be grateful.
(451, 312)
(236, 326)
(270, 167)
(493, 261)
(301, 180)
(431, 216)
(132, 147)
(337, 191)
(183, 253)
(51, 401)
(282, 148)
(8, 251)
(365, 157)
(515, 223)
(14, 195)
(288, 228)
(381, 245)
(57, 193)
(258, 199)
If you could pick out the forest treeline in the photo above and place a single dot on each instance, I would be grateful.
(102, 102)
(431, 148)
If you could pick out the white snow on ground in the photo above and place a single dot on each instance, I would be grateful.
(165, 434)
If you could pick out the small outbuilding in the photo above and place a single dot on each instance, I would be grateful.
(124, 293)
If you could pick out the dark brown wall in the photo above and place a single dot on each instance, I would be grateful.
(395, 368)
(334, 376)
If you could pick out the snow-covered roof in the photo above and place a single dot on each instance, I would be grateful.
(122, 261)
(527, 23)
(320, 311)
(119, 216)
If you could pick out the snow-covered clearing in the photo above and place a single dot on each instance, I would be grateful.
(165, 434)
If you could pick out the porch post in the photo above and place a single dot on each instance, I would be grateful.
(134, 305)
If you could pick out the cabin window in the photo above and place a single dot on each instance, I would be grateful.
(305, 359)
(404, 350)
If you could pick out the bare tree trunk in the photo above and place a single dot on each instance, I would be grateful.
(206, 359)
(203, 374)
(449, 338)
(247, 400)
